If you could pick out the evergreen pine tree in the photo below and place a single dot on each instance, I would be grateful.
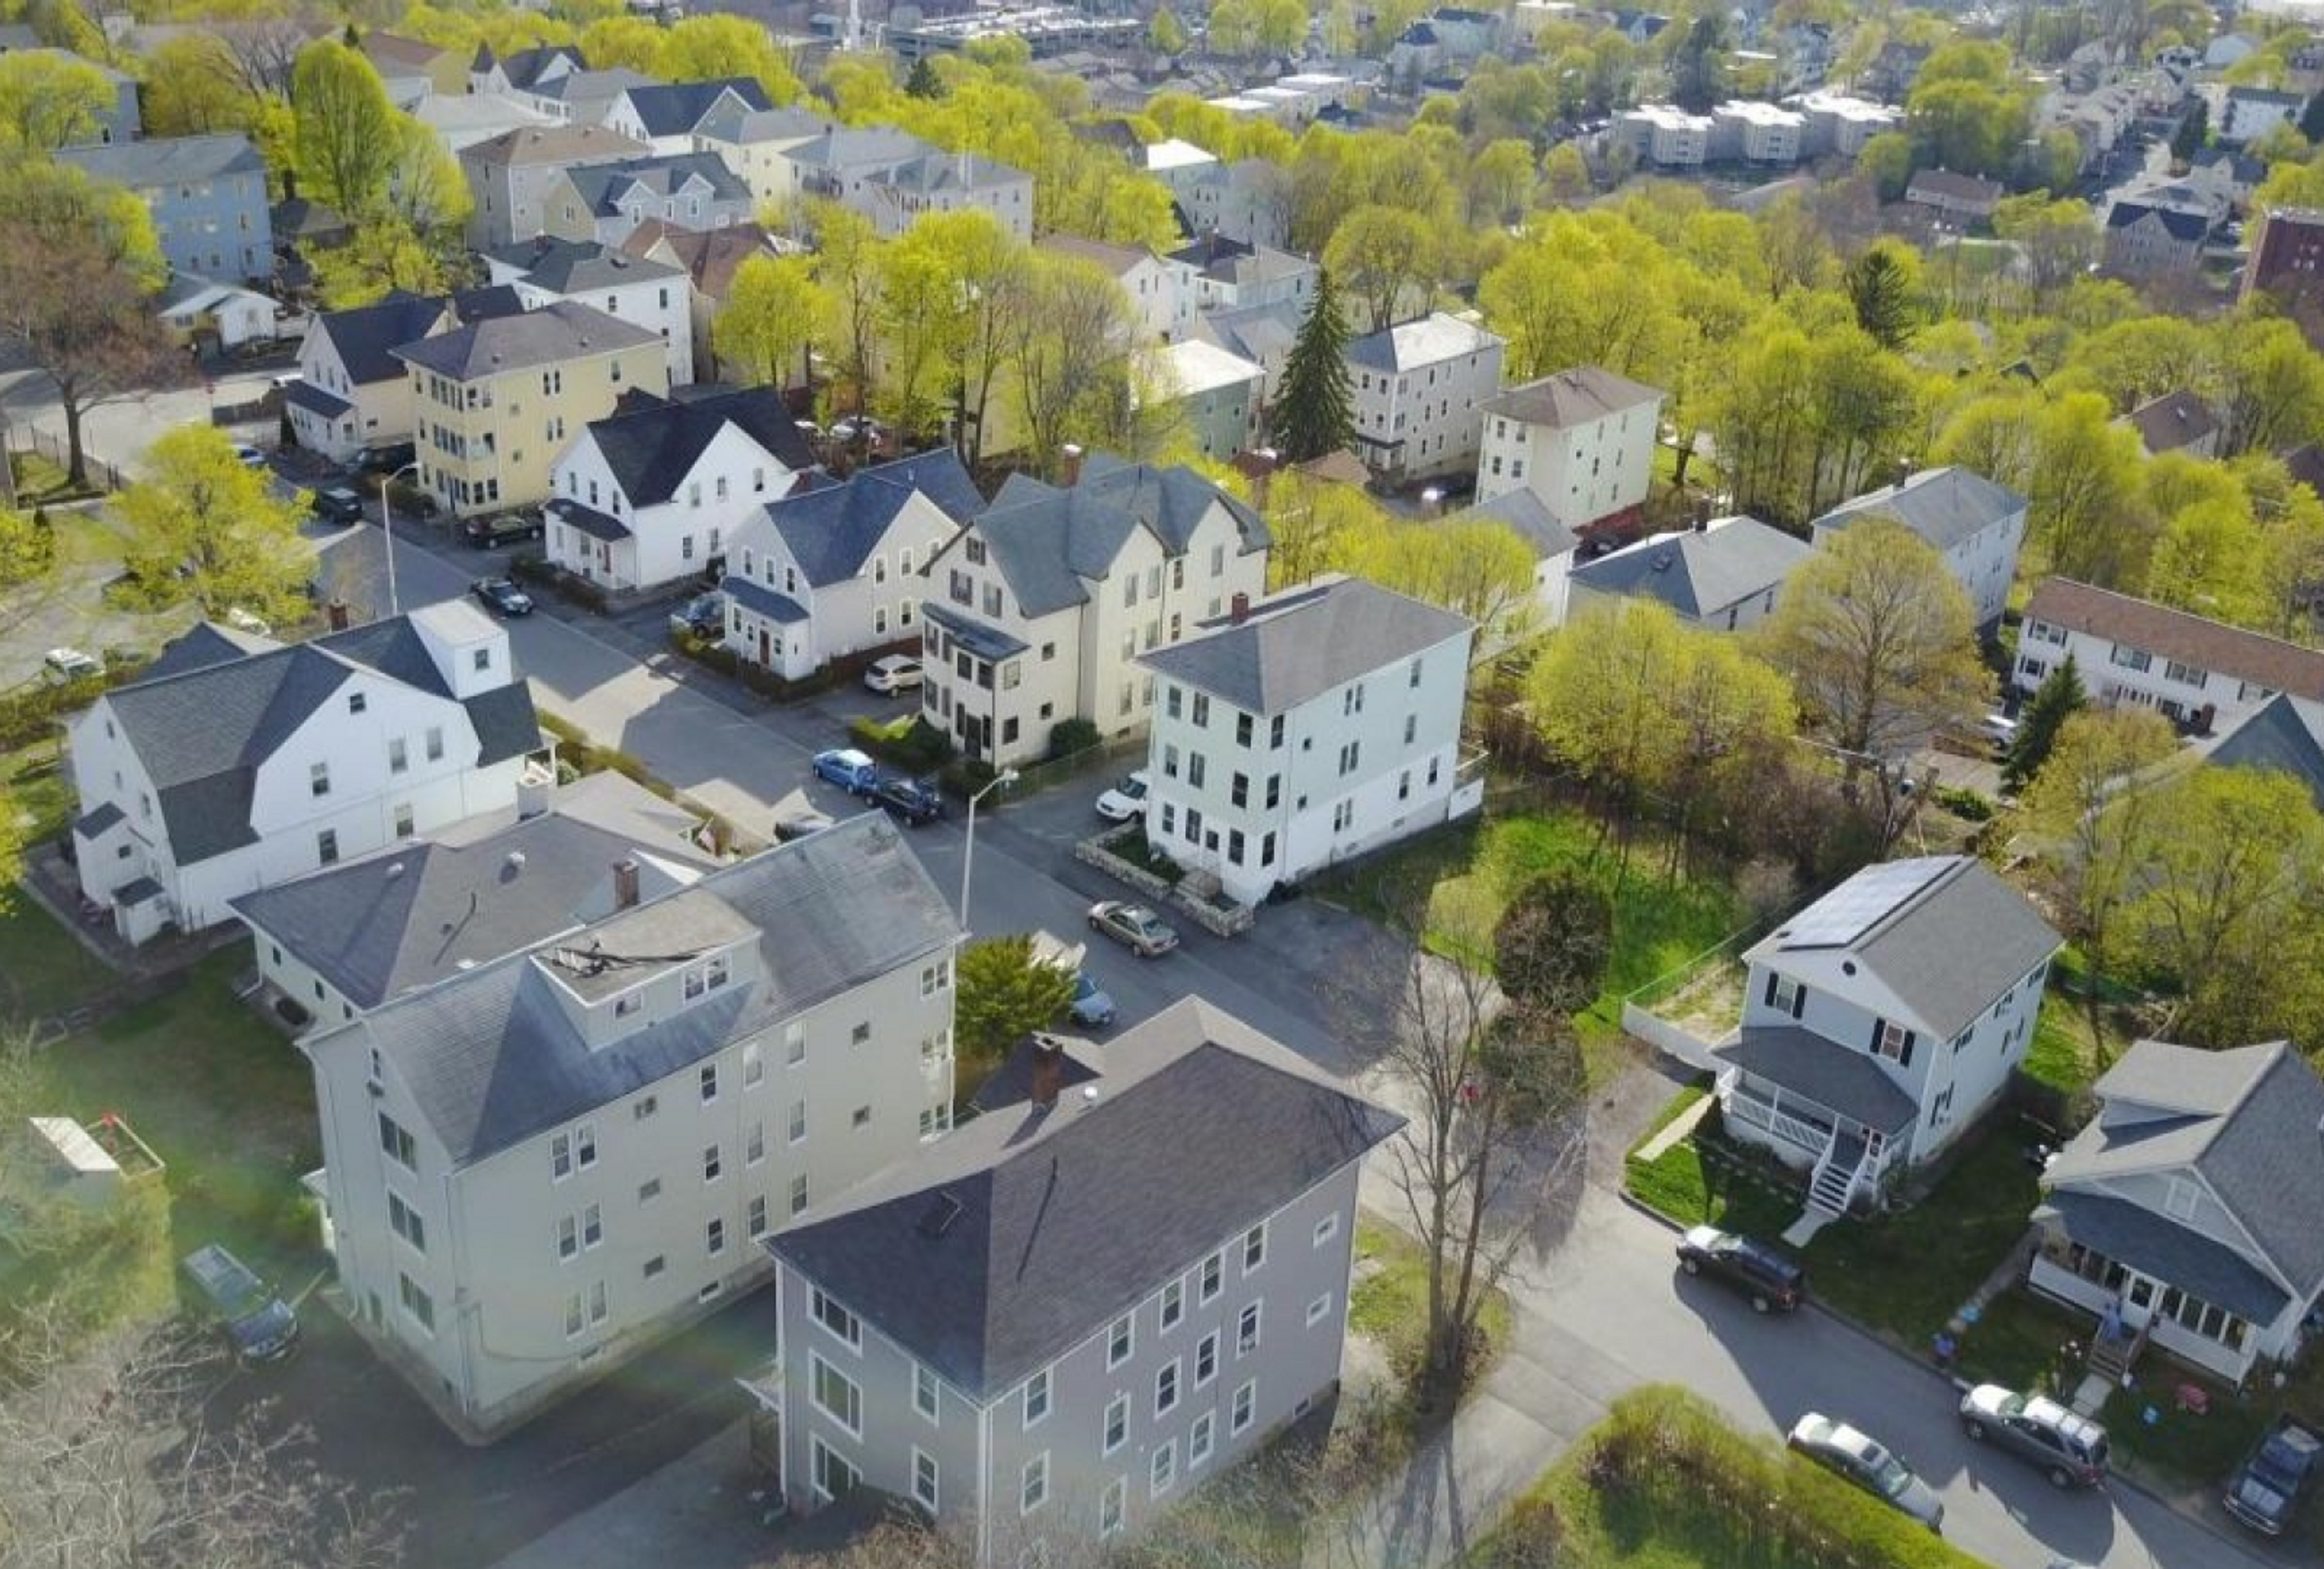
(2058, 698)
(1883, 295)
(1314, 413)
(924, 82)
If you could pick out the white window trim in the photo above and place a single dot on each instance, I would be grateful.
(815, 1394)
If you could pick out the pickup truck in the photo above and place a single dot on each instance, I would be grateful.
(2267, 1492)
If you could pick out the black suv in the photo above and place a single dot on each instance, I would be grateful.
(338, 504)
(505, 529)
(909, 800)
(1770, 1280)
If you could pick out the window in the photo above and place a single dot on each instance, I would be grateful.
(568, 1237)
(926, 1393)
(357, 702)
(1327, 1228)
(836, 1396)
(714, 1238)
(799, 1120)
(327, 846)
(2130, 658)
(398, 757)
(1202, 709)
(1206, 1359)
(1194, 771)
(1036, 1397)
(483, 660)
(395, 1139)
(795, 1045)
(405, 1222)
(754, 1146)
(433, 743)
(1242, 729)
(834, 1317)
(1174, 1303)
(1033, 1485)
(416, 1303)
(654, 1266)
(1166, 1388)
(2179, 1202)
(834, 1477)
(755, 1217)
(1199, 1442)
(862, 1033)
(1213, 1268)
(711, 1163)
(1350, 754)
(1893, 1041)
(318, 778)
(1164, 1469)
(1109, 1509)
(1319, 1309)
(1786, 995)
(708, 1079)
(862, 1118)
(650, 1190)
(1254, 1246)
(644, 1107)
(1245, 1408)
(1119, 1340)
(798, 1194)
(403, 821)
(1117, 1423)
(1247, 1330)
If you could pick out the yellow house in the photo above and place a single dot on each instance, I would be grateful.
(496, 401)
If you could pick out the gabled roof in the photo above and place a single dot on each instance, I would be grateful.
(708, 257)
(1701, 572)
(674, 108)
(1023, 1233)
(933, 173)
(1427, 340)
(1525, 512)
(367, 336)
(571, 266)
(2180, 635)
(492, 1058)
(1581, 396)
(2248, 1121)
(423, 911)
(651, 449)
(2173, 420)
(831, 530)
(1293, 647)
(526, 67)
(2285, 734)
(1253, 332)
(531, 146)
(842, 147)
(605, 85)
(168, 160)
(1942, 183)
(1942, 933)
(1048, 542)
(1119, 261)
(732, 120)
(2180, 225)
(557, 332)
(400, 50)
(1196, 365)
(604, 186)
(1944, 506)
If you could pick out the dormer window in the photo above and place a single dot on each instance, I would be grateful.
(625, 1006)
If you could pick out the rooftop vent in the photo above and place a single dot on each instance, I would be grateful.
(515, 861)
(394, 870)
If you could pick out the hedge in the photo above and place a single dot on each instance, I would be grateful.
(910, 742)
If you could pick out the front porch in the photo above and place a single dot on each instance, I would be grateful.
(1819, 1108)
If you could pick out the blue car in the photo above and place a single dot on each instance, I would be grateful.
(909, 800)
(1091, 1007)
(847, 767)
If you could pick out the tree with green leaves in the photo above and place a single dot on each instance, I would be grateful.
(49, 99)
(347, 140)
(2058, 700)
(1166, 34)
(1388, 258)
(2193, 133)
(204, 527)
(1883, 284)
(1888, 160)
(762, 332)
(1315, 410)
(384, 255)
(1004, 992)
(924, 82)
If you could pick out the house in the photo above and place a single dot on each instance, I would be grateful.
(521, 71)
(636, 288)
(234, 763)
(497, 400)
(2227, 50)
(665, 114)
(894, 198)
(537, 1168)
(1664, 135)
(2228, 177)
(1231, 275)
(582, 97)
(229, 315)
(1160, 290)
(1977, 525)
(1722, 574)
(207, 195)
(444, 69)
(1755, 133)
(2143, 239)
(512, 176)
(1262, 335)
(837, 164)
(2176, 422)
(1075, 1309)
(1249, 200)
(709, 259)
(833, 569)
(118, 121)
(460, 123)
(752, 143)
(2201, 675)
(1553, 544)
(2185, 1208)
(607, 201)
(1880, 1022)
(2284, 734)
(352, 392)
(1963, 199)
(1036, 612)
(1839, 125)
(355, 936)
(1217, 393)
(2287, 259)
(652, 492)
(2251, 113)
(1303, 728)
(1419, 386)
(1582, 441)
(1894, 69)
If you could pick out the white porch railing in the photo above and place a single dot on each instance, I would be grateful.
(1769, 1116)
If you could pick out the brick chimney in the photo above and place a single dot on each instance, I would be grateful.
(1048, 1070)
(1239, 609)
(337, 613)
(1069, 466)
(625, 884)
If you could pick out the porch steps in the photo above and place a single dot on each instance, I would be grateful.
(1834, 1183)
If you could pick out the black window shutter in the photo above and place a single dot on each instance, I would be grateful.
(1875, 1048)
(1904, 1057)
(1799, 1000)
(1772, 979)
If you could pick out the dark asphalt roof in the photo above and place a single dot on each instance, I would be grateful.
(1300, 644)
(650, 450)
(1833, 1075)
(603, 185)
(303, 394)
(597, 525)
(830, 530)
(367, 336)
(2153, 1245)
(987, 642)
(761, 600)
(2181, 225)
(2285, 734)
(1004, 1244)
(564, 266)
(559, 332)
(673, 108)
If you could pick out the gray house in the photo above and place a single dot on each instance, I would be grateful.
(1722, 576)
(1050, 1326)
(119, 123)
(606, 202)
(511, 176)
(207, 195)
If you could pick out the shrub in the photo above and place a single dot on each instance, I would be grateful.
(1965, 804)
(538, 571)
(718, 657)
(910, 742)
(1069, 736)
(965, 776)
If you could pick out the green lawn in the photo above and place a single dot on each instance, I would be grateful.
(2181, 1448)
(44, 971)
(1676, 1107)
(2015, 1342)
(1664, 1482)
(41, 480)
(1390, 1304)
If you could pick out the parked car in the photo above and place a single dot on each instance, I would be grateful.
(2266, 1493)
(847, 767)
(62, 665)
(256, 1323)
(2070, 1448)
(387, 460)
(909, 800)
(896, 674)
(507, 528)
(1767, 1279)
(1856, 1459)
(249, 457)
(1126, 800)
(799, 825)
(1999, 729)
(1133, 926)
(242, 620)
(501, 597)
(338, 504)
(702, 616)
(1091, 1007)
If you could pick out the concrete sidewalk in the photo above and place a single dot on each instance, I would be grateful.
(705, 1510)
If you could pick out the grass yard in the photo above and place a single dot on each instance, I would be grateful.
(41, 480)
(2015, 1342)
(44, 971)
(1664, 1482)
(1390, 1304)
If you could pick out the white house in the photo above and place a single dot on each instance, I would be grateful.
(1229, 275)
(1553, 544)
(2201, 675)
(1723, 575)
(234, 315)
(1304, 728)
(537, 1168)
(2185, 1204)
(833, 570)
(1419, 389)
(895, 197)
(1218, 394)
(1581, 440)
(236, 763)
(666, 114)
(1036, 612)
(352, 392)
(1880, 1021)
(1160, 290)
(1664, 135)
(653, 493)
(638, 289)
(1976, 524)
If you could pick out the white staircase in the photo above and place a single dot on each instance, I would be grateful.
(1830, 1186)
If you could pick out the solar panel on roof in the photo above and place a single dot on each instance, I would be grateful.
(1845, 914)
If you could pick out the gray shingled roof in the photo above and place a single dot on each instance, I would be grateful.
(491, 1059)
(761, 600)
(1201, 1128)
(368, 336)
(1581, 396)
(651, 449)
(2179, 225)
(1943, 505)
(1427, 340)
(2173, 420)
(2285, 734)
(737, 122)
(564, 266)
(1831, 1075)
(674, 108)
(1699, 573)
(543, 144)
(422, 911)
(985, 641)
(855, 146)
(830, 530)
(2155, 1245)
(603, 185)
(559, 332)
(168, 160)
(1525, 512)
(1943, 933)
(1301, 643)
